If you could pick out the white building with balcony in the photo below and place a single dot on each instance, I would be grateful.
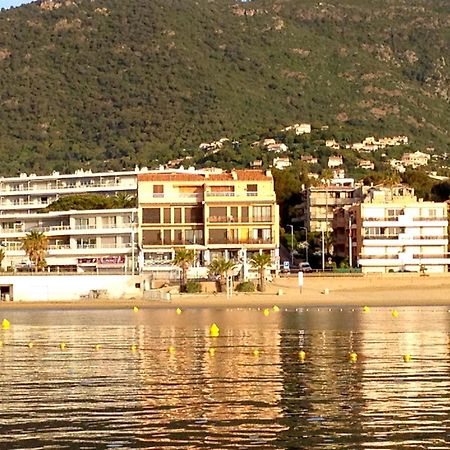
(30, 193)
(79, 241)
(392, 231)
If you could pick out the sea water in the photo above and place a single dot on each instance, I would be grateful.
(155, 378)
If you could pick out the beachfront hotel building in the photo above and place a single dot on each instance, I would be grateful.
(392, 231)
(217, 214)
(97, 241)
(82, 241)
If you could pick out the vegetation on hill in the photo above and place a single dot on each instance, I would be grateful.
(110, 83)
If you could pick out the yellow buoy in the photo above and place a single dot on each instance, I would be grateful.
(301, 355)
(256, 352)
(6, 324)
(133, 347)
(353, 356)
(30, 345)
(178, 311)
(62, 345)
(407, 358)
(276, 308)
(214, 330)
(98, 347)
(135, 309)
(266, 311)
(211, 351)
(366, 309)
(395, 313)
(171, 349)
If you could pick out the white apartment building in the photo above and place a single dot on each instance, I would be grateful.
(396, 232)
(78, 241)
(30, 193)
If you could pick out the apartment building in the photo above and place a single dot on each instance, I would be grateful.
(29, 193)
(319, 202)
(229, 215)
(391, 231)
(79, 241)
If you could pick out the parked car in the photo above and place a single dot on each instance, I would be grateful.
(304, 267)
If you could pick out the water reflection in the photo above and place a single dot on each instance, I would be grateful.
(190, 397)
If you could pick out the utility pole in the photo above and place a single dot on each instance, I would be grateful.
(292, 245)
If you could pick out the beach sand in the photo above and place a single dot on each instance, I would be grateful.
(370, 290)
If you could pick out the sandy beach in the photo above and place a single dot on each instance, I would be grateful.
(373, 290)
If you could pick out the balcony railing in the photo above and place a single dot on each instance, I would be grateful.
(429, 219)
(240, 241)
(59, 186)
(220, 194)
(379, 256)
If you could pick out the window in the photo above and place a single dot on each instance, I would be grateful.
(262, 213)
(151, 215)
(82, 223)
(86, 243)
(218, 214)
(167, 218)
(177, 215)
(218, 236)
(193, 215)
(109, 222)
(167, 237)
(252, 190)
(151, 237)
(244, 214)
(262, 235)
(158, 190)
(194, 236)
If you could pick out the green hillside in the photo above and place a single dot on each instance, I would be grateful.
(112, 83)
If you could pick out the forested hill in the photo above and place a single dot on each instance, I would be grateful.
(111, 83)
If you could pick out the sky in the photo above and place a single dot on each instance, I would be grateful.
(8, 3)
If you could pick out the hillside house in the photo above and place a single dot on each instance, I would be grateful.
(335, 161)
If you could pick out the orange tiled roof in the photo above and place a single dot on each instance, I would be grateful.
(170, 177)
(241, 175)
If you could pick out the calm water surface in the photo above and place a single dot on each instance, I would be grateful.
(114, 397)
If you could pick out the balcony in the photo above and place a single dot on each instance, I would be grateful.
(220, 194)
(256, 241)
(56, 187)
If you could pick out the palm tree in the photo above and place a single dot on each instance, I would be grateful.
(35, 245)
(183, 259)
(221, 267)
(124, 200)
(260, 261)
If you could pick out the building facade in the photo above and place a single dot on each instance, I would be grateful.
(79, 241)
(229, 215)
(319, 202)
(392, 231)
(30, 193)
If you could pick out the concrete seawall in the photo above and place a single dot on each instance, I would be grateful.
(70, 287)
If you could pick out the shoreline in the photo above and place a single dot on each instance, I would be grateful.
(395, 290)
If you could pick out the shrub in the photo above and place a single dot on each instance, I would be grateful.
(193, 287)
(246, 286)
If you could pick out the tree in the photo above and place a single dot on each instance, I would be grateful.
(183, 259)
(260, 261)
(221, 267)
(35, 245)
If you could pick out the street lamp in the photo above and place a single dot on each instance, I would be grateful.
(306, 242)
(292, 244)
